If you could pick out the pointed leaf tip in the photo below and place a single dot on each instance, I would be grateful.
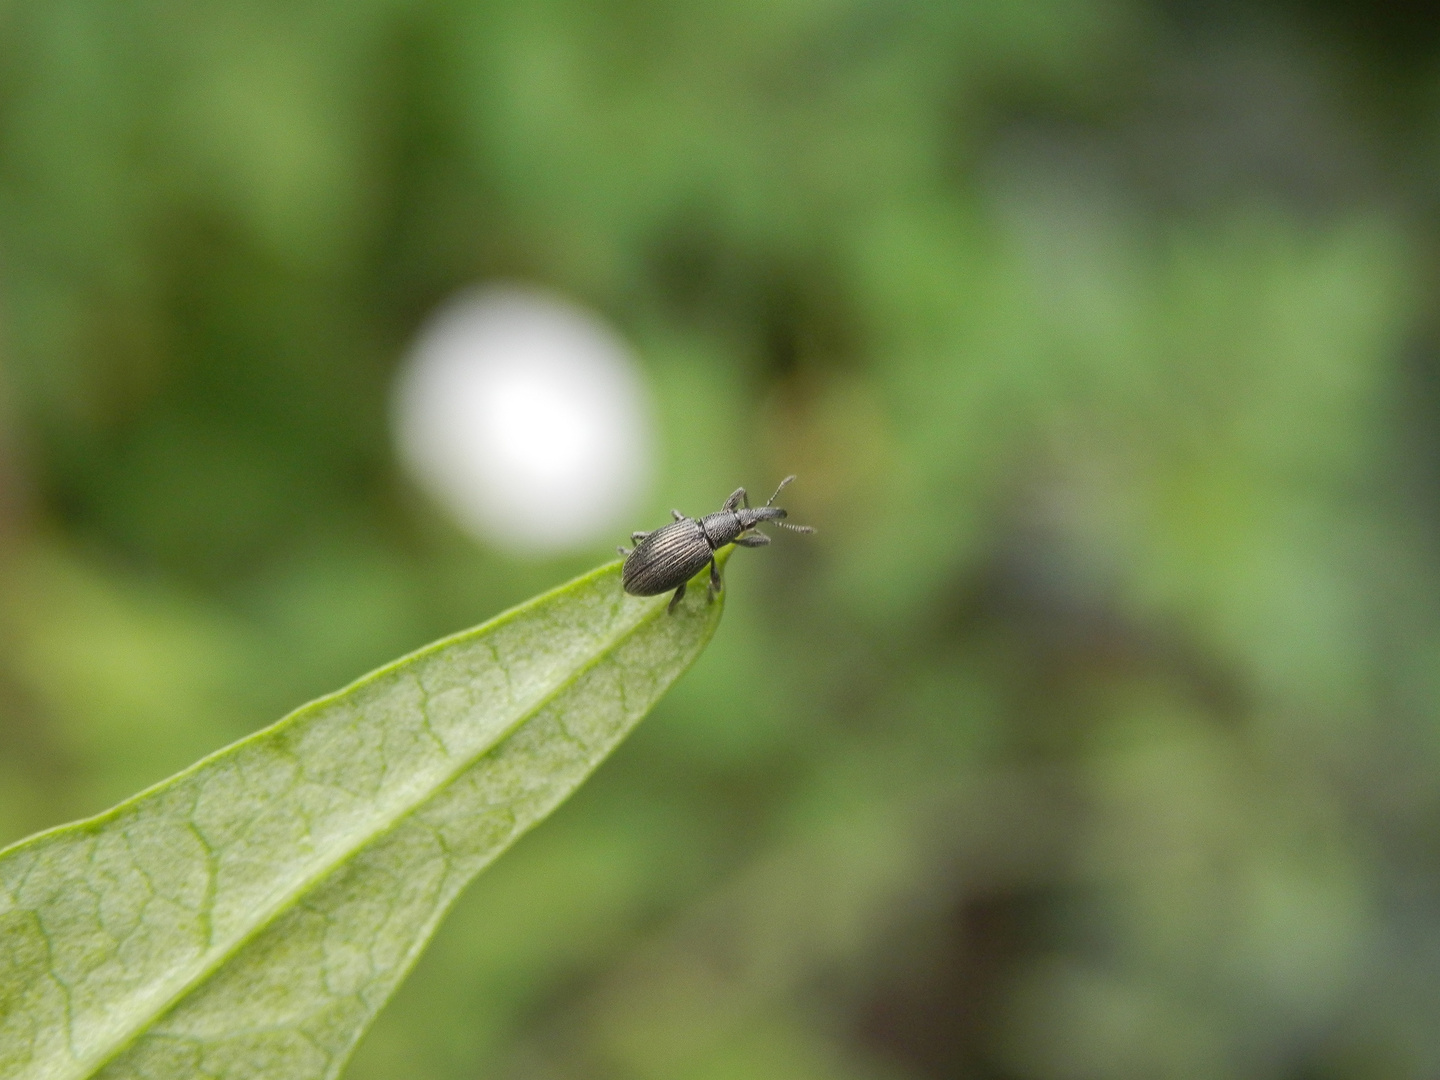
(251, 915)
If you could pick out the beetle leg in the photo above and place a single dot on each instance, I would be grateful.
(676, 598)
(636, 537)
(624, 552)
(677, 515)
(754, 539)
(735, 498)
(714, 579)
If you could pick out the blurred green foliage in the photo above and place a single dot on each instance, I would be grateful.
(1096, 734)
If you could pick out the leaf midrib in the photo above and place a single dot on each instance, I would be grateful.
(284, 899)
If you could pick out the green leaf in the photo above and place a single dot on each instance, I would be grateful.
(250, 916)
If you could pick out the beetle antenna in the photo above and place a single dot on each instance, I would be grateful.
(794, 528)
(779, 489)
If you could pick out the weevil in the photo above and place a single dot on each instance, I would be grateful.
(669, 557)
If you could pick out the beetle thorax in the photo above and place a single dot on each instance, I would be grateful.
(722, 527)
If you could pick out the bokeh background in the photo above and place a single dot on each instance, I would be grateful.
(1097, 732)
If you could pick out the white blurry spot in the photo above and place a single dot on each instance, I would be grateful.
(525, 416)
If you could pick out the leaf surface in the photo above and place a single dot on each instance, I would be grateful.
(249, 916)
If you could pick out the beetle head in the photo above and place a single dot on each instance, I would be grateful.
(750, 518)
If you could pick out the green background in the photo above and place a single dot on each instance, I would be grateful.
(1097, 733)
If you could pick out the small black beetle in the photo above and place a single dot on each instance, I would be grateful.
(668, 558)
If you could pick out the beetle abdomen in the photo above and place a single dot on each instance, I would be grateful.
(666, 559)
